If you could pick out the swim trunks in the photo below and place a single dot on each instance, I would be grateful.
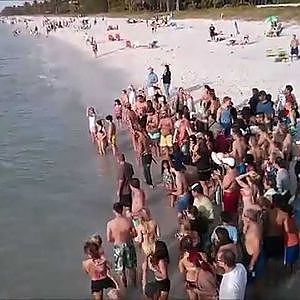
(157, 286)
(124, 257)
(113, 140)
(291, 255)
(166, 141)
(100, 285)
(182, 202)
(154, 136)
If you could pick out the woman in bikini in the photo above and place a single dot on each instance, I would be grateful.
(95, 265)
(101, 137)
(200, 279)
(91, 114)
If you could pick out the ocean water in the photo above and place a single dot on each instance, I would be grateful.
(53, 189)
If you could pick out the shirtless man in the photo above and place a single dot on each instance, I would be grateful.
(294, 47)
(112, 134)
(166, 131)
(132, 120)
(138, 197)
(253, 244)
(182, 129)
(121, 232)
(181, 191)
(239, 147)
(153, 131)
(273, 237)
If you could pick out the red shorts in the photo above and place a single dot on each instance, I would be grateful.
(231, 201)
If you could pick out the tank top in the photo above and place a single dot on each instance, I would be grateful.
(225, 116)
(92, 121)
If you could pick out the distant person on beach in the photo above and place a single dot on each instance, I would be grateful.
(118, 110)
(91, 114)
(236, 28)
(101, 138)
(294, 47)
(125, 172)
(112, 134)
(152, 79)
(95, 48)
(166, 78)
(212, 33)
(121, 232)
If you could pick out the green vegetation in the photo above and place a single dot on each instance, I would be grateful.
(212, 9)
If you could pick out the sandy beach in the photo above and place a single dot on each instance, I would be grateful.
(231, 70)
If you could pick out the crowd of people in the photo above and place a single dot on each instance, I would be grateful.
(236, 213)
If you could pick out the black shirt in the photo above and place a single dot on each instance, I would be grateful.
(167, 77)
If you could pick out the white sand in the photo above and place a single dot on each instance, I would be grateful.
(231, 70)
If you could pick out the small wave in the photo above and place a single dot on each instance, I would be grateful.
(43, 76)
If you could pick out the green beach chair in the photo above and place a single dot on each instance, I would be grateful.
(271, 53)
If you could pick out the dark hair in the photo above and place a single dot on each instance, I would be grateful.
(228, 257)
(186, 244)
(165, 161)
(193, 210)
(198, 189)
(223, 236)
(117, 101)
(236, 130)
(280, 162)
(161, 252)
(225, 217)
(255, 90)
(193, 138)
(92, 249)
(206, 86)
(167, 68)
(135, 182)
(289, 88)
(269, 97)
(249, 159)
(99, 122)
(262, 93)
(118, 207)
(109, 118)
(121, 157)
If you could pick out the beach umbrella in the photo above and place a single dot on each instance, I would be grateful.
(271, 19)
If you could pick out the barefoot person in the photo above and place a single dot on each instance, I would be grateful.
(166, 131)
(253, 254)
(112, 134)
(125, 173)
(121, 232)
(96, 267)
(181, 191)
(101, 138)
(138, 199)
(91, 114)
(294, 47)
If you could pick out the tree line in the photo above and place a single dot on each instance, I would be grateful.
(103, 6)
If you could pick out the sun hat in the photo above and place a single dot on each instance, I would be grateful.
(229, 161)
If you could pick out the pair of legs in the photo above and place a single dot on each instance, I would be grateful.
(101, 145)
(146, 163)
(171, 198)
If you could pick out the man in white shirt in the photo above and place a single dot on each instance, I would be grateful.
(234, 281)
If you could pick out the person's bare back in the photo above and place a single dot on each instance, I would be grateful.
(120, 230)
(253, 236)
(138, 200)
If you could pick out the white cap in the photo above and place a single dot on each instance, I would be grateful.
(217, 157)
(229, 161)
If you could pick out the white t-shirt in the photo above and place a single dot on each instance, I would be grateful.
(233, 284)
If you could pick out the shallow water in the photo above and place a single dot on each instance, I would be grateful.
(53, 189)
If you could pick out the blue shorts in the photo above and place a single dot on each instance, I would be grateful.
(182, 202)
(291, 255)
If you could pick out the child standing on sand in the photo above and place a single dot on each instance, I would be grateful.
(91, 114)
(112, 134)
(118, 112)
